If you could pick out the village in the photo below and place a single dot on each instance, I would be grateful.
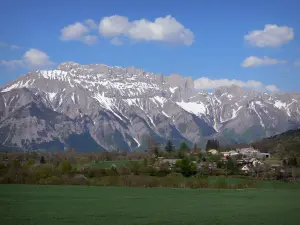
(246, 160)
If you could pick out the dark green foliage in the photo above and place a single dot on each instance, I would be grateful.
(212, 144)
(290, 161)
(187, 168)
(184, 147)
(42, 161)
(169, 147)
(156, 151)
(230, 165)
(214, 158)
(66, 166)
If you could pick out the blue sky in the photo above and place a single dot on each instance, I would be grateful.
(209, 39)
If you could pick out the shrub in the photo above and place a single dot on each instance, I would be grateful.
(112, 171)
(42, 172)
(50, 180)
(135, 167)
(42, 161)
(187, 168)
(94, 172)
(123, 170)
(3, 169)
(66, 166)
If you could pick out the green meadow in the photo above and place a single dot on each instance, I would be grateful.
(61, 205)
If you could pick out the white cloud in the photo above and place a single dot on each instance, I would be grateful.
(33, 58)
(253, 61)
(271, 36)
(90, 39)
(114, 25)
(80, 32)
(205, 83)
(116, 41)
(36, 58)
(272, 88)
(166, 29)
(297, 63)
(74, 31)
(4, 44)
(91, 24)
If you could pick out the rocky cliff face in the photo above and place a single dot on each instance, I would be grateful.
(119, 108)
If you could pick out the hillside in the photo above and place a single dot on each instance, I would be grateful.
(286, 143)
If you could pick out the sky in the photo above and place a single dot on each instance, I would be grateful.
(254, 44)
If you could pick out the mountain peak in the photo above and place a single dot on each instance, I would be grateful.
(67, 66)
(235, 89)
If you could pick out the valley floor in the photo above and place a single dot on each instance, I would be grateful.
(62, 205)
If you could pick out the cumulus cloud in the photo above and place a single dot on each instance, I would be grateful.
(253, 61)
(74, 31)
(271, 36)
(114, 26)
(36, 58)
(79, 32)
(272, 88)
(205, 83)
(165, 29)
(33, 58)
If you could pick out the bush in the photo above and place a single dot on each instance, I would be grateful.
(112, 171)
(123, 170)
(43, 172)
(66, 166)
(187, 168)
(135, 167)
(50, 180)
(3, 169)
(94, 172)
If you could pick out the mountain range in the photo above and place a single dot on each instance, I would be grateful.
(101, 108)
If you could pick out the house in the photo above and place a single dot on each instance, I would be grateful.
(248, 152)
(213, 152)
(275, 166)
(225, 154)
(264, 155)
(256, 163)
(233, 153)
(245, 169)
(240, 161)
(171, 162)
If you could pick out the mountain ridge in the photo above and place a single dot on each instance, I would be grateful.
(121, 107)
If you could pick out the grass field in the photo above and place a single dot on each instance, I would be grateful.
(60, 205)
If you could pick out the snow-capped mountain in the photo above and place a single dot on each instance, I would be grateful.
(114, 108)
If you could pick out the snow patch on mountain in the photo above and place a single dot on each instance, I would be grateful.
(279, 104)
(197, 108)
